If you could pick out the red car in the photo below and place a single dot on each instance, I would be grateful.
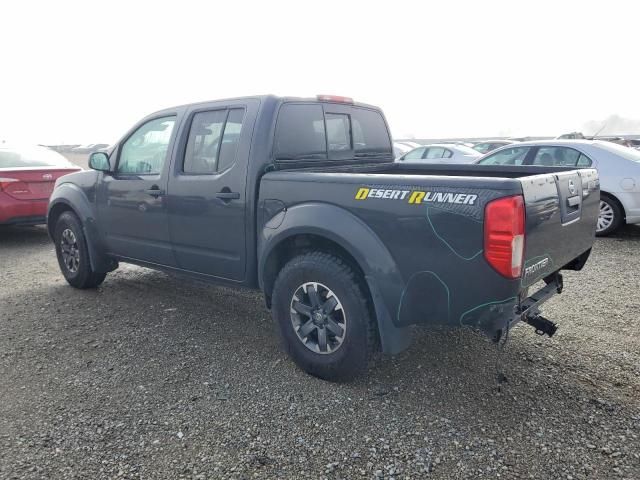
(27, 176)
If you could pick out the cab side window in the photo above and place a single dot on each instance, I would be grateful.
(213, 141)
(145, 151)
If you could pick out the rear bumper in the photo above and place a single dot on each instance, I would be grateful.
(22, 212)
(631, 203)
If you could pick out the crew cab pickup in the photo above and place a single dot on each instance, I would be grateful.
(301, 199)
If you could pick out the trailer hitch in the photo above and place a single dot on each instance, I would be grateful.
(528, 310)
(541, 324)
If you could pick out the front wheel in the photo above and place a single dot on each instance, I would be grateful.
(324, 316)
(72, 253)
(610, 216)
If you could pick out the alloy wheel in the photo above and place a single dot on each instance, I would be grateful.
(606, 216)
(70, 251)
(318, 318)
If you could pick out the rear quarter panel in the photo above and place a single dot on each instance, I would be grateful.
(435, 245)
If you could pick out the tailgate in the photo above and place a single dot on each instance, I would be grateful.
(561, 214)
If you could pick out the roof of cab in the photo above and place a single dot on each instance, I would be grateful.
(262, 98)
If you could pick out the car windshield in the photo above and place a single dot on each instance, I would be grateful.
(31, 157)
(622, 151)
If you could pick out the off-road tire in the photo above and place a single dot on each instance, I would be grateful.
(361, 334)
(83, 277)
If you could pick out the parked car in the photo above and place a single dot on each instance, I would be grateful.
(618, 166)
(400, 149)
(487, 146)
(440, 153)
(89, 148)
(27, 177)
(306, 204)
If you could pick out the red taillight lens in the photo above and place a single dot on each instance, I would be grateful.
(504, 235)
(5, 183)
(14, 187)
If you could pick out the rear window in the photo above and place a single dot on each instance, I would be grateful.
(31, 157)
(624, 152)
(307, 131)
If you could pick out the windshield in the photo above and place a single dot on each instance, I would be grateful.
(620, 150)
(31, 157)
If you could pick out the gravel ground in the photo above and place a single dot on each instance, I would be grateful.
(152, 377)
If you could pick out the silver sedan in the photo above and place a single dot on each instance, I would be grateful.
(618, 167)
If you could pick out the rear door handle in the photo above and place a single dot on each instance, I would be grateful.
(228, 195)
(154, 191)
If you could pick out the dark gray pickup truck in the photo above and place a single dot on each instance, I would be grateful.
(301, 199)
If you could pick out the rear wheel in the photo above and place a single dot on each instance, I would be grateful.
(72, 253)
(610, 217)
(324, 317)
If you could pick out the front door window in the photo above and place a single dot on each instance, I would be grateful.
(145, 151)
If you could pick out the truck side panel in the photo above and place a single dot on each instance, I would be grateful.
(432, 228)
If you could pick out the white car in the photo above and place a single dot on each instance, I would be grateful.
(617, 165)
(400, 148)
(440, 153)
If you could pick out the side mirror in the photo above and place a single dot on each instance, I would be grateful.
(99, 161)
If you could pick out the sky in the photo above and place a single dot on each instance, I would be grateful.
(86, 71)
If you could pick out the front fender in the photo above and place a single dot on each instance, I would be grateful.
(69, 196)
(352, 234)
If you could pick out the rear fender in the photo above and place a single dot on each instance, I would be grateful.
(336, 224)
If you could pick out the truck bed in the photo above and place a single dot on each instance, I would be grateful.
(437, 243)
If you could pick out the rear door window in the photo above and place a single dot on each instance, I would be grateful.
(556, 157)
(213, 141)
(584, 161)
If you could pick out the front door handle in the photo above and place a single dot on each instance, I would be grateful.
(228, 195)
(154, 191)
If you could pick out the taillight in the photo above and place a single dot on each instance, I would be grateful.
(504, 235)
(13, 186)
(6, 182)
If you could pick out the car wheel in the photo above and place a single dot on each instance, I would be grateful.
(72, 253)
(610, 217)
(324, 317)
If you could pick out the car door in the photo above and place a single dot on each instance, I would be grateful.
(207, 189)
(131, 201)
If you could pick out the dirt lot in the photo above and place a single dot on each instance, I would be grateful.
(153, 377)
